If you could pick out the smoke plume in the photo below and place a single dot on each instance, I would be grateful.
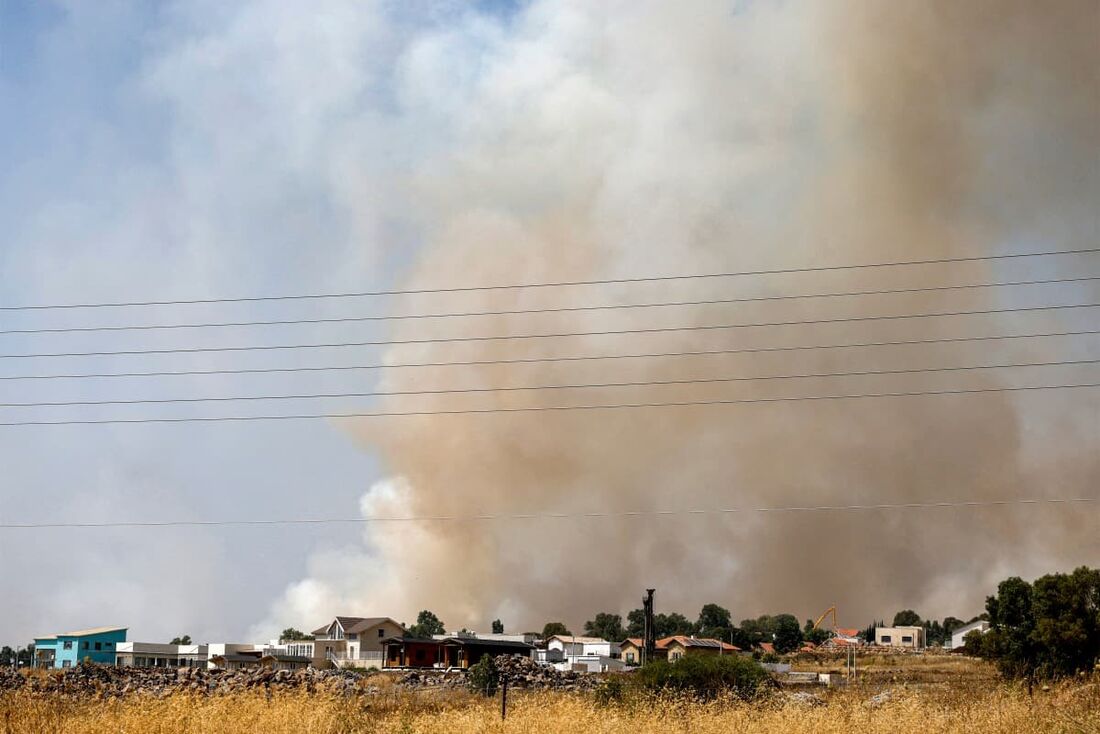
(595, 141)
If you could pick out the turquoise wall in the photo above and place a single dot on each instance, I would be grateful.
(70, 650)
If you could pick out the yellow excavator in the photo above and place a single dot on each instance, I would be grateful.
(850, 651)
(831, 610)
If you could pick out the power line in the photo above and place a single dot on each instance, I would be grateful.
(552, 515)
(532, 311)
(541, 408)
(502, 337)
(534, 360)
(575, 386)
(604, 281)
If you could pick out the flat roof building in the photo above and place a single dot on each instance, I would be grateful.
(67, 649)
(906, 637)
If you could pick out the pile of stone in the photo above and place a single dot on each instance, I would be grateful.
(520, 672)
(526, 673)
(110, 682)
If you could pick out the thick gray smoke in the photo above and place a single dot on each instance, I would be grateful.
(593, 141)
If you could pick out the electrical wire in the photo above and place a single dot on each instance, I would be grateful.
(522, 388)
(603, 281)
(548, 515)
(536, 360)
(530, 311)
(536, 409)
(503, 337)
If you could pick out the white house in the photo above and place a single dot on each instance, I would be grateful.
(588, 654)
(958, 637)
(353, 641)
(160, 655)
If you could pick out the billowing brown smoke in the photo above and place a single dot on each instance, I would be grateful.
(653, 141)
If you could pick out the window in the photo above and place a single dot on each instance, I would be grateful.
(630, 657)
(885, 638)
(108, 645)
(84, 644)
(906, 638)
(67, 644)
(381, 633)
(353, 637)
(99, 646)
(66, 663)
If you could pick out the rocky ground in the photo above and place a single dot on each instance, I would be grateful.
(110, 682)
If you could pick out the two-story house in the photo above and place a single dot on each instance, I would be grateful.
(67, 649)
(353, 641)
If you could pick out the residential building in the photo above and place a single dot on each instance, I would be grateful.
(161, 655)
(353, 641)
(67, 649)
(452, 652)
(585, 654)
(233, 655)
(529, 637)
(632, 650)
(680, 646)
(911, 638)
(958, 636)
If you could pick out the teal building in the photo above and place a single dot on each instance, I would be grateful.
(68, 649)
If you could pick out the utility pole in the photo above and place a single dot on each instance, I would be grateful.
(650, 645)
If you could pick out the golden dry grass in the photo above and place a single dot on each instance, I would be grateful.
(953, 697)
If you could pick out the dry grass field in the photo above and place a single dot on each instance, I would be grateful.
(948, 695)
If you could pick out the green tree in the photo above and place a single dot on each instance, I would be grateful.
(761, 629)
(498, 627)
(606, 626)
(972, 643)
(25, 655)
(907, 618)
(635, 623)
(427, 624)
(674, 623)
(293, 635)
(714, 621)
(788, 634)
(484, 677)
(554, 628)
(664, 625)
(182, 640)
(7, 656)
(816, 635)
(1011, 623)
(1066, 610)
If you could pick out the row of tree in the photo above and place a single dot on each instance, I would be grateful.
(713, 621)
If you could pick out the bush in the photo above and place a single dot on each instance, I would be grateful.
(484, 676)
(611, 690)
(706, 676)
